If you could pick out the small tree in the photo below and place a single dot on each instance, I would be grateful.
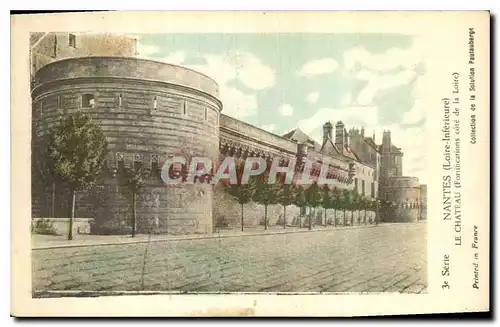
(265, 194)
(300, 199)
(243, 193)
(336, 203)
(345, 202)
(77, 150)
(327, 200)
(313, 198)
(287, 197)
(132, 179)
(355, 205)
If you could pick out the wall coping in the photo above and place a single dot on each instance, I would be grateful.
(97, 61)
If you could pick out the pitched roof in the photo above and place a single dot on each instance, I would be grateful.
(394, 149)
(371, 143)
(299, 136)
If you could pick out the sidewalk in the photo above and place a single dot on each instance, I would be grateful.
(39, 242)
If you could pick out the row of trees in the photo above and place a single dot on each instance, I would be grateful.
(259, 191)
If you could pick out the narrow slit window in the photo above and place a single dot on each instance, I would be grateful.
(155, 103)
(206, 113)
(184, 108)
(120, 97)
(88, 101)
(59, 102)
(72, 40)
(41, 108)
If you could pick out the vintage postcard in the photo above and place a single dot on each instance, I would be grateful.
(250, 163)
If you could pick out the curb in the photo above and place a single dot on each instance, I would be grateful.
(209, 236)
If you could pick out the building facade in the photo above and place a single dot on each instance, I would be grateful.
(150, 111)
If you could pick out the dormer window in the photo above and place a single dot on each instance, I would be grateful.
(88, 101)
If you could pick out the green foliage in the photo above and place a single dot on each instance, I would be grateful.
(314, 195)
(287, 194)
(77, 150)
(243, 193)
(43, 227)
(300, 197)
(265, 193)
(327, 201)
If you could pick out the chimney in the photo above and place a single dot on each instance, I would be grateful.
(339, 136)
(327, 132)
(386, 141)
(346, 139)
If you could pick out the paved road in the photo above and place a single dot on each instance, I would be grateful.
(385, 258)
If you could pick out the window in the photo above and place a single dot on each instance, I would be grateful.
(206, 113)
(120, 101)
(356, 184)
(155, 103)
(184, 108)
(41, 108)
(59, 102)
(363, 187)
(88, 101)
(372, 191)
(72, 40)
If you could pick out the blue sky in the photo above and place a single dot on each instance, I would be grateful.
(282, 81)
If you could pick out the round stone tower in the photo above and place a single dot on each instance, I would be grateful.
(149, 111)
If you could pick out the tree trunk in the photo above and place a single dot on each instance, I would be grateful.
(345, 219)
(365, 216)
(134, 214)
(310, 219)
(73, 200)
(326, 223)
(242, 217)
(265, 217)
(335, 217)
(284, 217)
(53, 204)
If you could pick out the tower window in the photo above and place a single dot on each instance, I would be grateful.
(72, 40)
(41, 108)
(184, 108)
(120, 99)
(59, 102)
(155, 103)
(88, 101)
(206, 113)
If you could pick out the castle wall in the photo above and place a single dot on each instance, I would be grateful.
(148, 112)
(404, 191)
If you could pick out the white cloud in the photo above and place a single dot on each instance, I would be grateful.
(236, 103)
(416, 114)
(378, 82)
(390, 59)
(175, 58)
(318, 67)
(253, 73)
(359, 116)
(270, 128)
(346, 100)
(244, 67)
(313, 97)
(285, 110)
(145, 50)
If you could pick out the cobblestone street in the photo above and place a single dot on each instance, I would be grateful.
(384, 258)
